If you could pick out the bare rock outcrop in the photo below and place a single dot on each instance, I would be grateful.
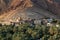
(6, 5)
(12, 7)
(50, 5)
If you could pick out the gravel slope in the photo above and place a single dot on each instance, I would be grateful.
(38, 12)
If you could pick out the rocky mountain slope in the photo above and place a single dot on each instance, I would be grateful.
(50, 5)
(12, 9)
(6, 5)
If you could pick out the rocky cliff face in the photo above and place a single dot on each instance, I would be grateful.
(6, 5)
(50, 5)
(13, 7)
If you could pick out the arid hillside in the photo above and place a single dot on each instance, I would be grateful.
(6, 5)
(50, 5)
(12, 8)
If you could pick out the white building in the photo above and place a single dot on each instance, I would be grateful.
(37, 22)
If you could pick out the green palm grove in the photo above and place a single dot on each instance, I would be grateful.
(27, 32)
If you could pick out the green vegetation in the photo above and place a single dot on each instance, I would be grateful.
(27, 32)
